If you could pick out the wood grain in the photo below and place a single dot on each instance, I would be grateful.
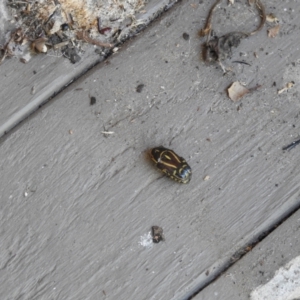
(76, 202)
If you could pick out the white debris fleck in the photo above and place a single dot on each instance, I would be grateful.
(32, 90)
(284, 285)
(207, 177)
(146, 240)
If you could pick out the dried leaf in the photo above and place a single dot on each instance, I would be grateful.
(56, 26)
(237, 91)
(271, 18)
(39, 45)
(272, 32)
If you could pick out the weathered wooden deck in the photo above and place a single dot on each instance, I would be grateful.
(76, 204)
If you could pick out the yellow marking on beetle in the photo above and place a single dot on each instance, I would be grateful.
(169, 158)
(169, 165)
(165, 171)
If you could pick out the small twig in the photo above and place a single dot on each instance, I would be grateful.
(207, 29)
(22, 2)
(292, 145)
(99, 23)
(59, 45)
(263, 16)
(81, 35)
(241, 62)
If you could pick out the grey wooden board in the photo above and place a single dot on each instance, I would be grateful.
(75, 206)
(259, 265)
(25, 87)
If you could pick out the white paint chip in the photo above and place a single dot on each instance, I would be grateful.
(146, 240)
(284, 285)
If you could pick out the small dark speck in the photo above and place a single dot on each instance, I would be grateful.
(64, 27)
(93, 101)
(294, 125)
(276, 184)
(140, 87)
(186, 36)
(166, 61)
(34, 71)
(274, 83)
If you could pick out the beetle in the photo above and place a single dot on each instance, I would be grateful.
(171, 164)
